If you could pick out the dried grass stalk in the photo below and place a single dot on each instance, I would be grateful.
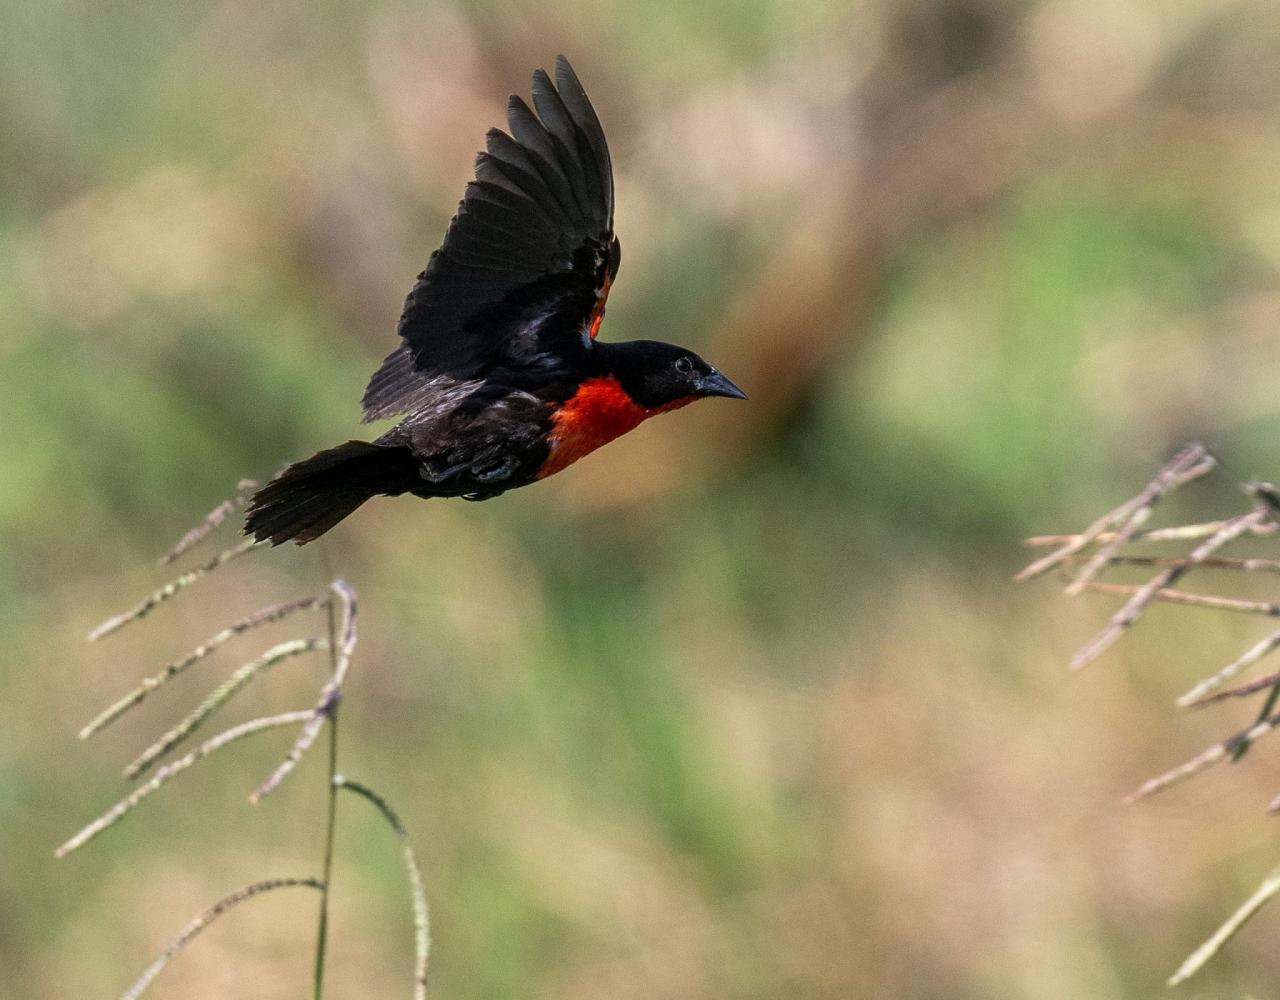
(244, 489)
(219, 697)
(1191, 462)
(207, 917)
(1182, 533)
(172, 588)
(330, 694)
(1201, 694)
(1128, 616)
(1219, 752)
(1196, 960)
(421, 915)
(163, 774)
(1242, 691)
(341, 642)
(1262, 521)
(1213, 601)
(1213, 562)
(274, 613)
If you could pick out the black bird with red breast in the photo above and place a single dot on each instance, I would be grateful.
(499, 378)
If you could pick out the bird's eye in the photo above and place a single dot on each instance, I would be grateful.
(684, 365)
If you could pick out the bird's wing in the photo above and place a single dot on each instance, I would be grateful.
(526, 263)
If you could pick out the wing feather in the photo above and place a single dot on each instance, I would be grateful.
(525, 262)
(565, 138)
(584, 116)
(541, 152)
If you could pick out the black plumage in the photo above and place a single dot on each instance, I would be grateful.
(498, 337)
(528, 249)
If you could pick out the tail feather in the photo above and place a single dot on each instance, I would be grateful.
(310, 497)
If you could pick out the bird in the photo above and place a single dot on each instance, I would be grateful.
(499, 378)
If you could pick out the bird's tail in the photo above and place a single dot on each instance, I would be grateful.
(310, 497)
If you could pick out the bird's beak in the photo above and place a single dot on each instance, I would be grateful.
(716, 384)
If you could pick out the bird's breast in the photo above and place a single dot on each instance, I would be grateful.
(593, 416)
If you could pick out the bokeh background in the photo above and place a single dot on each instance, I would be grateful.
(744, 706)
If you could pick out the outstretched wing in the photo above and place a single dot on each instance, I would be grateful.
(526, 263)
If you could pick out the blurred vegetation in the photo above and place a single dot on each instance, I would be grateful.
(742, 706)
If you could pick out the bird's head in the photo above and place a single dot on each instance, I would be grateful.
(655, 374)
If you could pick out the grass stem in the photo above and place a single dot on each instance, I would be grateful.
(322, 928)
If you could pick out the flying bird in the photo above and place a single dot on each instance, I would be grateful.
(499, 378)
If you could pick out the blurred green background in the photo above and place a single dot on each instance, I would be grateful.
(743, 706)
